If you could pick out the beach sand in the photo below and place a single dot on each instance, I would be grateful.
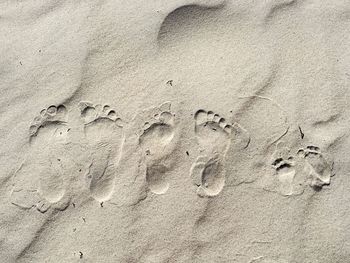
(175, 131)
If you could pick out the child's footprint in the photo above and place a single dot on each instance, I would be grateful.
(214, 137)
(287, 179)
(156, 139)
(41, 173)
(104, 135)
(320, 172)
(285, 173)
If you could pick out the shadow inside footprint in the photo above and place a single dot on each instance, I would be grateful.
(156, 179)
(104, 135)
(320, 172)
(157, 143)
(48, 135)
(155, 138)
(48, 120)
(208, 175)
(212, 132)
(51, 182)
(214, 138)
(285, 173)
(287, 178)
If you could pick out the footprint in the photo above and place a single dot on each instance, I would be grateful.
(40, 180)
(156, 139)
(49, 119)
(214, 137)
(285, 173)
(104, 135)
(208, 175)
(319, 170)
(287, 179)
(212, 132)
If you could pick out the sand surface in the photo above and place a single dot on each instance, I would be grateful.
(175, 131)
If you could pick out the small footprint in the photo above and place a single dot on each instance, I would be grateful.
(287, 179)
(319, 170)
(40, 180)
(104, 135)
(285, 173)
(214, 136)
(156, 139)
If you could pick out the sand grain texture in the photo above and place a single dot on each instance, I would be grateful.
(175, 131)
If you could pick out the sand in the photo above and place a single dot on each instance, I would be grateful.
(175, 131)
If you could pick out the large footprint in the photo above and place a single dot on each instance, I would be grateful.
(156, 139)
(319, 170)
(214, 137)
(40, 180)
(104, 135)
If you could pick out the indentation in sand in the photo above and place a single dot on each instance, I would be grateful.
(156, 139)
(288, 178)
(184, 20)
(104, 135)
(275, 8)
(213, 136)
(41, 181)
(285, 173)
(319, 170)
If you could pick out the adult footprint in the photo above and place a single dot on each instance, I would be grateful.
(319, 170)
(214, 137)
(40, 180)
(104, 135)
(156, 139)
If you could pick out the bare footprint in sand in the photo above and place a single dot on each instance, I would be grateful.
(285, 172)
(104, 135)
(287, 179)
(318, 169)
(40, 180)
(156, 139)
(214, 137)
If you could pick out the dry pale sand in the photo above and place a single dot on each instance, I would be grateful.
(175, 131)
